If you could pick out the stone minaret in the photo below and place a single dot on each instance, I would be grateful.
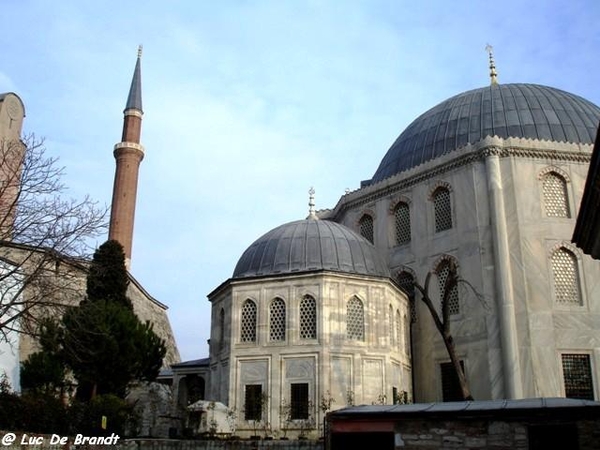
(128, 155)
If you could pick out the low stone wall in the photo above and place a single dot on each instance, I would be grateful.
(169, 444)
(32, 441)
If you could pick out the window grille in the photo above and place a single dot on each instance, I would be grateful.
(556, 202)
(577, 372)
(442, 208)
(402, 215)
(451, 391)
(453, 303)
(566, 277)
(355, 320)
(365, 226)
(407, 284)
(248, 322)
(299, 401)
(399, 330)
(308, 318)
(277, 320)
(253, 402)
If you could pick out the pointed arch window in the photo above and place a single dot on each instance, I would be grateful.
(355, 320)
(442, 209)
(399, 335)
(556, 201)
(443, 271)
(366, 226)
(391, 325)
(248, 322)
(402, 223)
(565, 272)
(308, 318)
(277, 320)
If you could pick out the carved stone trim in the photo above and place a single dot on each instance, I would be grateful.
(554, 169)
(403, 181)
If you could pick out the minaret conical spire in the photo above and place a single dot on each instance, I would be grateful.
(128, 155)
(134, 99)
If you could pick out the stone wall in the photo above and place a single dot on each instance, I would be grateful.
(484, 434)
(43, 442)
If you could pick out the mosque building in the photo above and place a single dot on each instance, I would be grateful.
(326, 311)
(484, 186)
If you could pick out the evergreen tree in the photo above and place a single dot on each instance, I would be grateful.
(105, 344)
(107, 279)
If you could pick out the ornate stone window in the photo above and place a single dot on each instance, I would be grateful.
(308, 318)
(355, 320)
(554, 190)
(406, 280)
(391, 325)
(248, 322)
(443, 271)
(365, 227)
(566, 277)
(577, 373)
(402, 223)
(277, 320)
(442, 209)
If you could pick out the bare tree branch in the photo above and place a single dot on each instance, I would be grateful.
(45, 237)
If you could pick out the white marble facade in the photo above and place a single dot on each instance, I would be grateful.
(367, 368)
(512, 334)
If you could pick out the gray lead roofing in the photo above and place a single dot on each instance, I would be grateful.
(134, 99)
(505, 110)
(310, 245)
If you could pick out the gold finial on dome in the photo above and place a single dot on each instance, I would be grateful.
(140, 47)
(311, 204)
(493, 73)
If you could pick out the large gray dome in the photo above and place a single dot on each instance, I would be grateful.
(503, 110)
(310, 245)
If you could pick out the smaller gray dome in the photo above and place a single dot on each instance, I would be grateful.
(310, 245)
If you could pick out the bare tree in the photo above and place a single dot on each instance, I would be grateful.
(44, 236)
(452, 282)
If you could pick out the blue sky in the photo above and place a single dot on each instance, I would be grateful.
(249, 103)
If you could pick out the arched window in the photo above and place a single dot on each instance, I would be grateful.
(365, 226)
(443, 271)
(221, 328)
(406, 337)
(355, 320)
(442, 209)
(554, 189)
(402, 222)
(566, 277)
(308, 318)
(277, 320)
(248, 322)
(399, 334)
(391, 324)
(407, 284)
